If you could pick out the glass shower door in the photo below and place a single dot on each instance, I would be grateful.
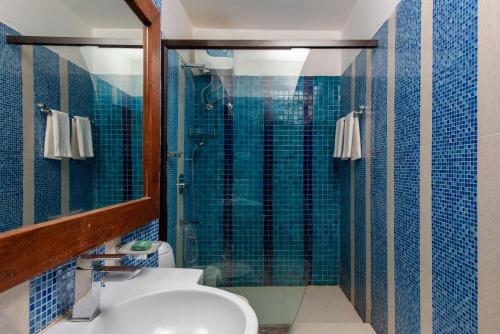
(243, 121)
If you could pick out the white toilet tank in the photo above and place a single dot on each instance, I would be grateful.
(166, 256)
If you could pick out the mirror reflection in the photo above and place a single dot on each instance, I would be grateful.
(71, 129)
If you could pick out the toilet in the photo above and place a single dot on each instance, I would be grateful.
(166, 259)
(166, 256)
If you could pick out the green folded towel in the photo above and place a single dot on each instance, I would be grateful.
(141, 245)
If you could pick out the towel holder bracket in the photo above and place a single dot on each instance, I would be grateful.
(361, 110)
(43, 108)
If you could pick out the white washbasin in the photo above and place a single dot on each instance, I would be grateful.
(190, 311)
(165, 301)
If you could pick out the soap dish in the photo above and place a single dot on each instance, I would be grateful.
(141, 255)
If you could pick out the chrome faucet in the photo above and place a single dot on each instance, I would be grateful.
(87, 307)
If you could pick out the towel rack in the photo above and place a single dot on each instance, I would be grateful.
(43, 108)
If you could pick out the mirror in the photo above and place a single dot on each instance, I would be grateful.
(71, 117)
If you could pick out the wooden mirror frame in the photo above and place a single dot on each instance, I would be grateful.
(28, 251)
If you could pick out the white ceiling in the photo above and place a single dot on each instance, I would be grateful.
(115, 14)
(269, 14)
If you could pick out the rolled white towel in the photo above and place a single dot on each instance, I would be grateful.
(356, 140)
(75, 152)
(339, 138)
(84, 137)
(57, 136)
(347, 142)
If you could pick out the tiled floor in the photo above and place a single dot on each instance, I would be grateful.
(323, 310)
(326, 310)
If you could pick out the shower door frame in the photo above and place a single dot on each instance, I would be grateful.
(193, 44)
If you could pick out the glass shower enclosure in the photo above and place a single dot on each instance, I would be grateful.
(252, 189)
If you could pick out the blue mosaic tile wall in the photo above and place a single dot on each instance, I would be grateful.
(208, 188)
(454, 171)
(454, 167)
(345, 191)
(247, 210)
(52, 292)
(47, 171)
(288, 197)
(118, 120)
(11, 133)
(51, 295)
(325, 189)
(378, 183)
(360, 193)
(189, 139)
(407, 167)
(240, 234)
(82, 172)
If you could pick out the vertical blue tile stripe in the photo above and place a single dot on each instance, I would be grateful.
(307, 181)
(288, 198)
(248, 234)
(268, 191)
(82, 172)
(345, 190)
(227, 218)
(208, 173)
(359, 194)
(126, 147)
(454, 167)
(11, 133)
(47, 171)
(378, 189)
(407, 167)
(326, 208)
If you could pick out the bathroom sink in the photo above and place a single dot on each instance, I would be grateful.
(189, 311)
(165, 301)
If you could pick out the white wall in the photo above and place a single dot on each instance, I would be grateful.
(364, 21)
(175, 23)
(318, 62)
(46, 18)
(54, 18)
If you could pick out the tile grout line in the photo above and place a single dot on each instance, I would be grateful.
(426, 169)
(28, 136)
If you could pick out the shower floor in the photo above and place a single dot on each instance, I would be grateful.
(274, 305)
(291, 310)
